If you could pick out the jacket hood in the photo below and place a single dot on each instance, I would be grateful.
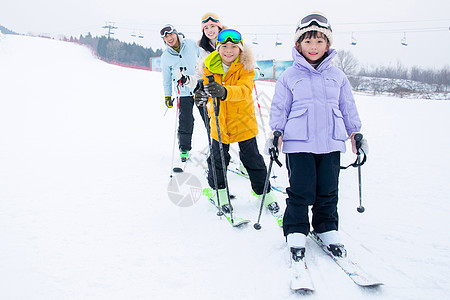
(246, 58)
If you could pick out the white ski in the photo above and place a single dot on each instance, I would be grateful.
(350, 267)
(301, 278)
(180, 165)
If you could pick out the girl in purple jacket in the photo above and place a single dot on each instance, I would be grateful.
(315, 111)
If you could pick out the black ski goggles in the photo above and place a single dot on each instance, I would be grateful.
(312, 19)
(167, 30)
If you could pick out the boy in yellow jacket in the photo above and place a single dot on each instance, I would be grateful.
(232, 66)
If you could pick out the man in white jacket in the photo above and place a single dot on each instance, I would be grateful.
(180, 55)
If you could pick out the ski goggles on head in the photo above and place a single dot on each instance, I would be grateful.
(229, 35)
(210, 16)
(316, 19)
(168, 29)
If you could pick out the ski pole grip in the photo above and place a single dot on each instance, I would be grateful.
(358, 138)
(276, 136)
(210, 78)
(274, 153)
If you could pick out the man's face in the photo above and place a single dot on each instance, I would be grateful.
(171, 39)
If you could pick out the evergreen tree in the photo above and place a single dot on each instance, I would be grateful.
(113, 49)
(101, 47)
(6, 30)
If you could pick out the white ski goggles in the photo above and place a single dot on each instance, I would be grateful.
(312, 19)
(167, 30)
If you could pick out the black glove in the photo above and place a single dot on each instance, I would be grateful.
(169, 101)
(200, 97)
(216, 90)
(181, 77)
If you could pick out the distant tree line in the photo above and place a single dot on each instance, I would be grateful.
(6, 30)
(349, 65)
(431, 76)
(113, 49)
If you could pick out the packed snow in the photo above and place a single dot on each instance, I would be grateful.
(87, 208)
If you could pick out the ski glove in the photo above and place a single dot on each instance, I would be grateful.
(181, 77)
(200, 97)
(216, 90)
(169, 101)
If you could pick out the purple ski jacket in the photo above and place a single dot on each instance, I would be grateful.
(314, 108)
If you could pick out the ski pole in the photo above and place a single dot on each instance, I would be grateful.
(358, 138)
(260, 113)
(208, 130)
(273, 157)
(176, 125)
(216, 104)
(274, 176)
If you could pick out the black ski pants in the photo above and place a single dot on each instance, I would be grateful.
(251, 159)
(313, 180)
(186, 122)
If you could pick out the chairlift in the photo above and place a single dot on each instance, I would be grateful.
(353, 41)
(141, 36)
(255, 41)
(278, 42)
(403, 41)
(133, 34)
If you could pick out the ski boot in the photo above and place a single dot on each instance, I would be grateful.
(296, 242)
(184, 155)
(297, 255)
(337, 250)
(212, 196)
(332, 241)
(270, 202)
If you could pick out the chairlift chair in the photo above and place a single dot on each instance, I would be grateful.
(353, 41)
(255, 41)
(278, 42)
(403, 41)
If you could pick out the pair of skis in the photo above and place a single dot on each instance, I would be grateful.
(238, 221)
(301, 278)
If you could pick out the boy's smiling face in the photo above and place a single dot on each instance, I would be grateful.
(313, 48)
(229, 52)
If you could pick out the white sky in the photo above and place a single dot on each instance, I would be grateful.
(378, 25)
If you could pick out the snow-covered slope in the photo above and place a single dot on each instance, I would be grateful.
(85, 213)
